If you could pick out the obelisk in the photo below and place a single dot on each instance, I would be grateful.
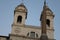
(43, 24)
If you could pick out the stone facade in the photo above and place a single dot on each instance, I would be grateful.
(4, 37)
(24, 30)
(20, 31)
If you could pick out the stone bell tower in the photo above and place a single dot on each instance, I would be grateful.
(20, 15)
(49, 17)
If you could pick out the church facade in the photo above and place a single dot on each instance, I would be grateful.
(21, 31)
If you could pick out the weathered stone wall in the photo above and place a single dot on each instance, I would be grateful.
(23, 30)
(3, 38)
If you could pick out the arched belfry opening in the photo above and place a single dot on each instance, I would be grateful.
(19, 19)
(48, 22)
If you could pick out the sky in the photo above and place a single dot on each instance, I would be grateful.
(34, 10)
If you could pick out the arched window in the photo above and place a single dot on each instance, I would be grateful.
(19, 19)
(28, 34)
(36, 35)
(48, 22)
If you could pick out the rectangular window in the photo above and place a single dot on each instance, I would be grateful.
(32, 35)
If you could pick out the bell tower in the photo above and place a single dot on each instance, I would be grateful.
(49, 17)
(20, 14)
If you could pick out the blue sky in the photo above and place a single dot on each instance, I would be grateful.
(34, 10)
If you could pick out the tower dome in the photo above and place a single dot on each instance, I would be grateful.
(21, 8)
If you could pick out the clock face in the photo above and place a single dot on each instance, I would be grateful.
(17, 30)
